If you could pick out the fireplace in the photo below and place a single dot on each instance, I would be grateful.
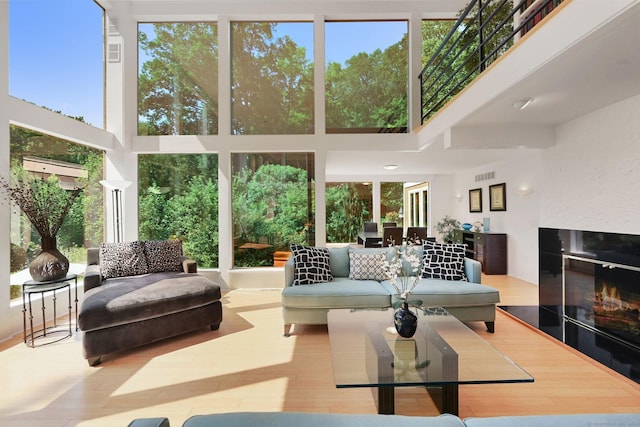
(589, 295)
(604, 296)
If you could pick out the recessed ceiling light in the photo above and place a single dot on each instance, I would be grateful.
(522, 103)
(390, 167)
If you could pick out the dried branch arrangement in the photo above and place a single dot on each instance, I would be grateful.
(43, 201)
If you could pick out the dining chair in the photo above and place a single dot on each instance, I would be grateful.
(392, 236)
(416, 235)
(389, 224)
(370, 226)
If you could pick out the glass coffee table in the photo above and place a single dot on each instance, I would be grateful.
(366, 351)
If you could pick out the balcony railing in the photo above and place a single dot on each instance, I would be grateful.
(484, 31)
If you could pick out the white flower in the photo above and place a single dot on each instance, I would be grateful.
(403, 271)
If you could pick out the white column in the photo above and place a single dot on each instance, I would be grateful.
(122, 120)
(225, 220)
(321, 206)
(9, 322)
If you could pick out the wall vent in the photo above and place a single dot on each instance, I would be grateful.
(112, 27)
(113, 52)
(485, 176)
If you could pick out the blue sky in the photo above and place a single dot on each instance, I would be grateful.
(55, 51)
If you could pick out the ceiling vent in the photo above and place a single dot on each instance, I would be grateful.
(485, 176)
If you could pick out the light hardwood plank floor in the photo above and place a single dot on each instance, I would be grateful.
(249, 366)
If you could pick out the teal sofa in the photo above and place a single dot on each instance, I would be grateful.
(469, 301)
(296, 419)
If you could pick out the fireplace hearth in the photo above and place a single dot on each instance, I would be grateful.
(589, 295)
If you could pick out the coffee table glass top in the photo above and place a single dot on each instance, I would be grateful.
(366, 351)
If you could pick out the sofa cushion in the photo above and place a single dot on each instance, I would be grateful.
(339, 261)
(130, 299)
(340, 293)
(296, 419)
(163, 255)
(445, 293)
(555, 420)
(122, 259)
(442, 261)
(363, 266)
(311, 265)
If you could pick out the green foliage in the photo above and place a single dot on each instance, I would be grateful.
(370, 91)
(195, 220)
(272, 82)
(346, 212)
(178, 85)
(178, 198)
(446, 227)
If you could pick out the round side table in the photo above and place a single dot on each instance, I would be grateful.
(32, 287)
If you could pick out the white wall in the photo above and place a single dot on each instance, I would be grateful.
(590, 178)
(520, 220)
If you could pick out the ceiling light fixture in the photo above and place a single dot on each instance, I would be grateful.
(391, 167)
(522, 104)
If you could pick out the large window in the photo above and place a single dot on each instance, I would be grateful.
(391, 202)
(70, 165)
(178, 199)
(60, 70)
(349, 206)
(272, 78)
(178, 79)
(366, 77)
(273, 205)
(416, 204)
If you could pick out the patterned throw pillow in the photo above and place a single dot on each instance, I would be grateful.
(443, 261)
(122, 259)
(311, 265)
(367, 266)
(163, 255)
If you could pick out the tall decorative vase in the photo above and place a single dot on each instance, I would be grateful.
(49, 264)
(405, 321)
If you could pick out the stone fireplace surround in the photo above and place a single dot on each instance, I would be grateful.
(589, 295)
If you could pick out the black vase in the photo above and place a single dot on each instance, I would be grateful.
(405, 321)
(49, 264)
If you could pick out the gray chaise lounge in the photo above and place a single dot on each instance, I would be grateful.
(122, 309)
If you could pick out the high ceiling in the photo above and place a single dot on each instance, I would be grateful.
(583, 58)
(567, 73)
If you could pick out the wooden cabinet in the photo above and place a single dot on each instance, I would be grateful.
(488, 248)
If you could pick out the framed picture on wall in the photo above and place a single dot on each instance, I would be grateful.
(498, 197)
(475, 200)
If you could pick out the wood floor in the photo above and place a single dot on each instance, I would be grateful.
(249, 366)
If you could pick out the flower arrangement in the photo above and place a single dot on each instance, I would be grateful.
(403, 272)
(46, 205)
(43, 201)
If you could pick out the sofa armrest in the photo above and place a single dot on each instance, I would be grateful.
(189, 265)
(473, 270)
(289, 272)
(149, 422)
(92, 277)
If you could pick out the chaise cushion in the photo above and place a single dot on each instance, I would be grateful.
(163, 255)
(130, 299)
(122, 259)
